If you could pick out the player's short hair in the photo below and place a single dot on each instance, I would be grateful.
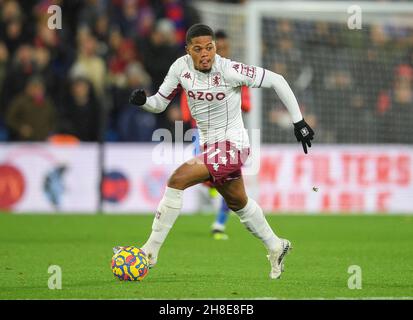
(221, 34)
(198, 30)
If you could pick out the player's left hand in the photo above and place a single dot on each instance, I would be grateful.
(303, 133)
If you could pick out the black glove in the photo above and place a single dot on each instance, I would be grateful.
(303, 133)
(137, 97)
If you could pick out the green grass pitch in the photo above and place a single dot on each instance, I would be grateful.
(194, 266)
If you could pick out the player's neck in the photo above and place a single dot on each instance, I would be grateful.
(204, 71)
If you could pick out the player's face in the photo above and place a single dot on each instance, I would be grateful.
(202, 51)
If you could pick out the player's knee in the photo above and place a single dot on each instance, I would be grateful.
(236, 204)
(177, 181)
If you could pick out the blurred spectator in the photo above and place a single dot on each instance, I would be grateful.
(4, 58)
(45, 37)
(180, 13)
(59, 43)
(395, 108)
(80, 115)
(132, 123)
(361, 118)
(125, 55)
(88, 64)
(160, 51)
(222, 44)
(378, 36)
(101, 28)
(14, 35)
(338, 89)
(10, 10)
(115, 40)
(285, 57)
(322, 35)
(101, 33)
(44, 68)
(71, 24)
(13, 30)
(135, 18)
(31, 114)
(90, 12)
(22, 67)
(370, 69)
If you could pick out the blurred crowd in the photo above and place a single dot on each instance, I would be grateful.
(355, 86)
(74, 82)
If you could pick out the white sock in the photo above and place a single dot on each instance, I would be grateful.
(168, 210)
(254, 220)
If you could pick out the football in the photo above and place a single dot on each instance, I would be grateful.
(129, 264)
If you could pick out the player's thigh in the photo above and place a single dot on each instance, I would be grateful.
(188, 174)
(234, 193)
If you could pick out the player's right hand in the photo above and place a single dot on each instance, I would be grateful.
(303, 133)
(137, 97)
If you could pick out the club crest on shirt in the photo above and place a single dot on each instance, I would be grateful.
(216, 79)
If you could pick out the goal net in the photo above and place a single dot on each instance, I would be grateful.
(350, 65)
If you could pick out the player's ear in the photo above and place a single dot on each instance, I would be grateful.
(187, 49)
